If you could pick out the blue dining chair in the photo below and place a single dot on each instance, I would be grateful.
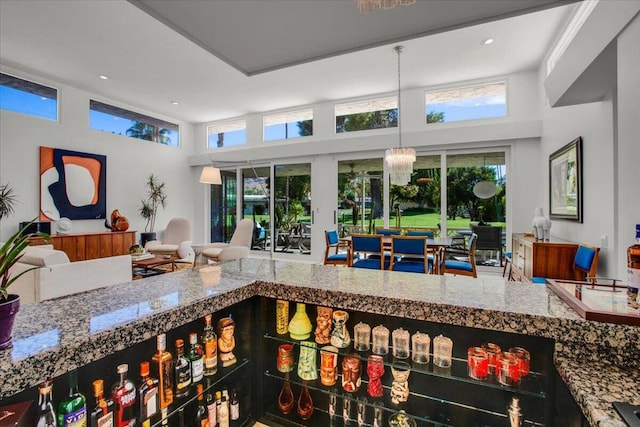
(457, 266)
(388, 232)
(341, 249)
(585, 264)
(409, 254)
(427, 234)
(371, 253)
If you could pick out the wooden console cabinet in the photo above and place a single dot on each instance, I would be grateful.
(551, 259)
(83, 246)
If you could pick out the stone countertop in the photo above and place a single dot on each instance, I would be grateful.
(56, 336)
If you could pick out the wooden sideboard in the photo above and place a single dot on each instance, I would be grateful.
(83, 246)
(551, 259)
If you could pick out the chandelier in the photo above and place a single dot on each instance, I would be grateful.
(400, 160)
(366, 6)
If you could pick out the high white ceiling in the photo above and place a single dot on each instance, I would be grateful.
(149, 64)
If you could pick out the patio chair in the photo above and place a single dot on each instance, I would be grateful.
(489, 239)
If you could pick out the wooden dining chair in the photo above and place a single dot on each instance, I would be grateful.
(451, 260)
(370, 249)
(337, 252)
(585, 264)
(388, 232)
(409, 254)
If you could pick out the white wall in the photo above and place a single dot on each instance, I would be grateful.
(129, 161)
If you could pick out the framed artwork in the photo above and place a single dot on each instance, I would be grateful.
(72, 185)
(565, 182)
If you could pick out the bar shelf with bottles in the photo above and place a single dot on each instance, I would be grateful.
(437, 396)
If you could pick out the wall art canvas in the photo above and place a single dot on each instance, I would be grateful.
(72, 185)
(565, 182)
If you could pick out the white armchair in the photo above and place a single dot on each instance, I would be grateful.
(176, 239)
(238, 247)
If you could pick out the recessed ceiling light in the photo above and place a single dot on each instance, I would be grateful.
(487, 41)
(103, 77)
(175, 102)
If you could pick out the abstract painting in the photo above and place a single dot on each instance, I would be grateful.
(72, 185)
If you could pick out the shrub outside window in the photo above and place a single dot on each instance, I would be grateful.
(227, 134)
(365, 115)
(294, 124)
(26, 97)
(118, 121)
(466, 103)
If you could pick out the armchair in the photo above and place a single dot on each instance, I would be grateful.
(176, 240)
(238, 247)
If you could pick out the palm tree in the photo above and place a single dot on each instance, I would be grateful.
(149, 132)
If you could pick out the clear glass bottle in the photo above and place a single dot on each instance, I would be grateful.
(147, 393)
(46, 414)
(73, 408)
(202, 414)
(210, 344)
(124, 396)
(196, 359)
(102, 413)
(633, 268)
(223, 410)
(182, 371)
(161, 364)
(234, 406)
(211, 409)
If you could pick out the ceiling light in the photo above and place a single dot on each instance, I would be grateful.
(487, 41)
(103, 77)
(400, 160)
(366, 6)
(175, 103)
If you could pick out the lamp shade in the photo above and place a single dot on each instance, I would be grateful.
(210, 175)
(484, 189)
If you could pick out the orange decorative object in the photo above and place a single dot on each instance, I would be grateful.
(119, 222)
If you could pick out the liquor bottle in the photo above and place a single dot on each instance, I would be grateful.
(147, 393)
(202, 414)
(234, 406)
(165, 416)
(633, 268)
(124, 396)
(223, 410)
(211, 409)
(102, 414)
(210, 344)
(182, 371)
(46, 415)
(73, 408)
(195, 356)
(162, 370)
(181, 417)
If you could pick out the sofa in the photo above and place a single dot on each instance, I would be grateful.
(57, 276)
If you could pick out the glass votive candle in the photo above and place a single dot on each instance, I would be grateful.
(380, 340)
(361, 336)
(442, 348)
(400, 339)
(478, 363)
(524, 359)
(420, 344)
(508, 369)
(493, 351)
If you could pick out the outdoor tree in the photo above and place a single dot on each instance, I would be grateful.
(149, 132)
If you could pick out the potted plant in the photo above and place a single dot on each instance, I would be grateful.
(148, 210)
(10, 253)
(7, 200)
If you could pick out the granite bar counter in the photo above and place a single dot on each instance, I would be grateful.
(599, 362)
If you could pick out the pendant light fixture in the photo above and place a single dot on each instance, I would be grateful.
(485, 189)
(400, 160)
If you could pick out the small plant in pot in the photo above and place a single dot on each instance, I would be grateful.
(156, 197)
(10, 253)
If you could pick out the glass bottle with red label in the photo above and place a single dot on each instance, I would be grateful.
(124, 396)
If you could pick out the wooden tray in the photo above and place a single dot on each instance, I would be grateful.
(599, 302)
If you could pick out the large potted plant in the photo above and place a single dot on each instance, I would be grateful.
(7, 200)
(148, 209)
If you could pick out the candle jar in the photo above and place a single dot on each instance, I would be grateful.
(508, 368)
(400, 384)
(300, 325)
(340, 335)
(380, 340)
(400, 338)
(323, 325)
(307, 363)
(328, 365)
(493, 351)
(284, 362)
(375, 371)
(524, 359)
(420, 343)
(351, 378)
(478, 363)
(282, 317)
(361, 337)
(442, 349)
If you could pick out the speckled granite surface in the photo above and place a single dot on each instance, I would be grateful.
(56, 336)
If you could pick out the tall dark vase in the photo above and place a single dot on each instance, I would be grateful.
(147, 237)
(8, 311)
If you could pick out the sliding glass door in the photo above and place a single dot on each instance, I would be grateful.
(360, 196)
(292, 216)
(223, 208)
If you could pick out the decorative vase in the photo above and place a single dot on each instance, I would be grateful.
(147, 237)
(323, 325)
(307, 364)
(305, 403)
(8, 311)
(282, 317)
(285, 398)
(340, 335)
(300, 325)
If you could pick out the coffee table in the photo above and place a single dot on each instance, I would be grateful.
(147, 267)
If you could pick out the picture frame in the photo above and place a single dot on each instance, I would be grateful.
(565, 182)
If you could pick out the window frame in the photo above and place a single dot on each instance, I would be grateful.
(36, 83)
(222, 124)
(378, 97)
(282, 113)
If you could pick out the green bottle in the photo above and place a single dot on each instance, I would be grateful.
(73, 409)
